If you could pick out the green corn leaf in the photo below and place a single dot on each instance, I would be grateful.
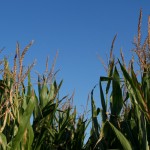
(134, 79)
(40, 140)
(24, 120)
(36, 111)
(124, 142)
(57, 88)
(54, 89)
(3, 141)
(30, 136)
(49, 109)
(29, 88)
(39, 85)
(110, 73)
(95, 124)
(27, 138)
(24, 102)
(79, 134)
(108, 79)
(43, 95)
(104, 133)
(60, 84)
(23, 88)
(138, 98)
(51, 93)
(142, 131)
(146, 87)
(104, 107)
(117, 100)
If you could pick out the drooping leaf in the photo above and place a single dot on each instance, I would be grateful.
(124, 142)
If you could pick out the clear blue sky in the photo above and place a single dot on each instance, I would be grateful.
(79, 29)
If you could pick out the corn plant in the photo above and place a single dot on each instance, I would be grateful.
(122, 122)
(56, 127)
(16, 105)
(55, 122)
(125, 104)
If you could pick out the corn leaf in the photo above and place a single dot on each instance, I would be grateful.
(104, 107)
(95, 124)
(24, 120)
(137, 97)
(124, 142)
(3, 141)
(117, 100)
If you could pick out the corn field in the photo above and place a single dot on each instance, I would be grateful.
(122, 121)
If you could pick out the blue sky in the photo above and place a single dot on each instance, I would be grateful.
(79, 29)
